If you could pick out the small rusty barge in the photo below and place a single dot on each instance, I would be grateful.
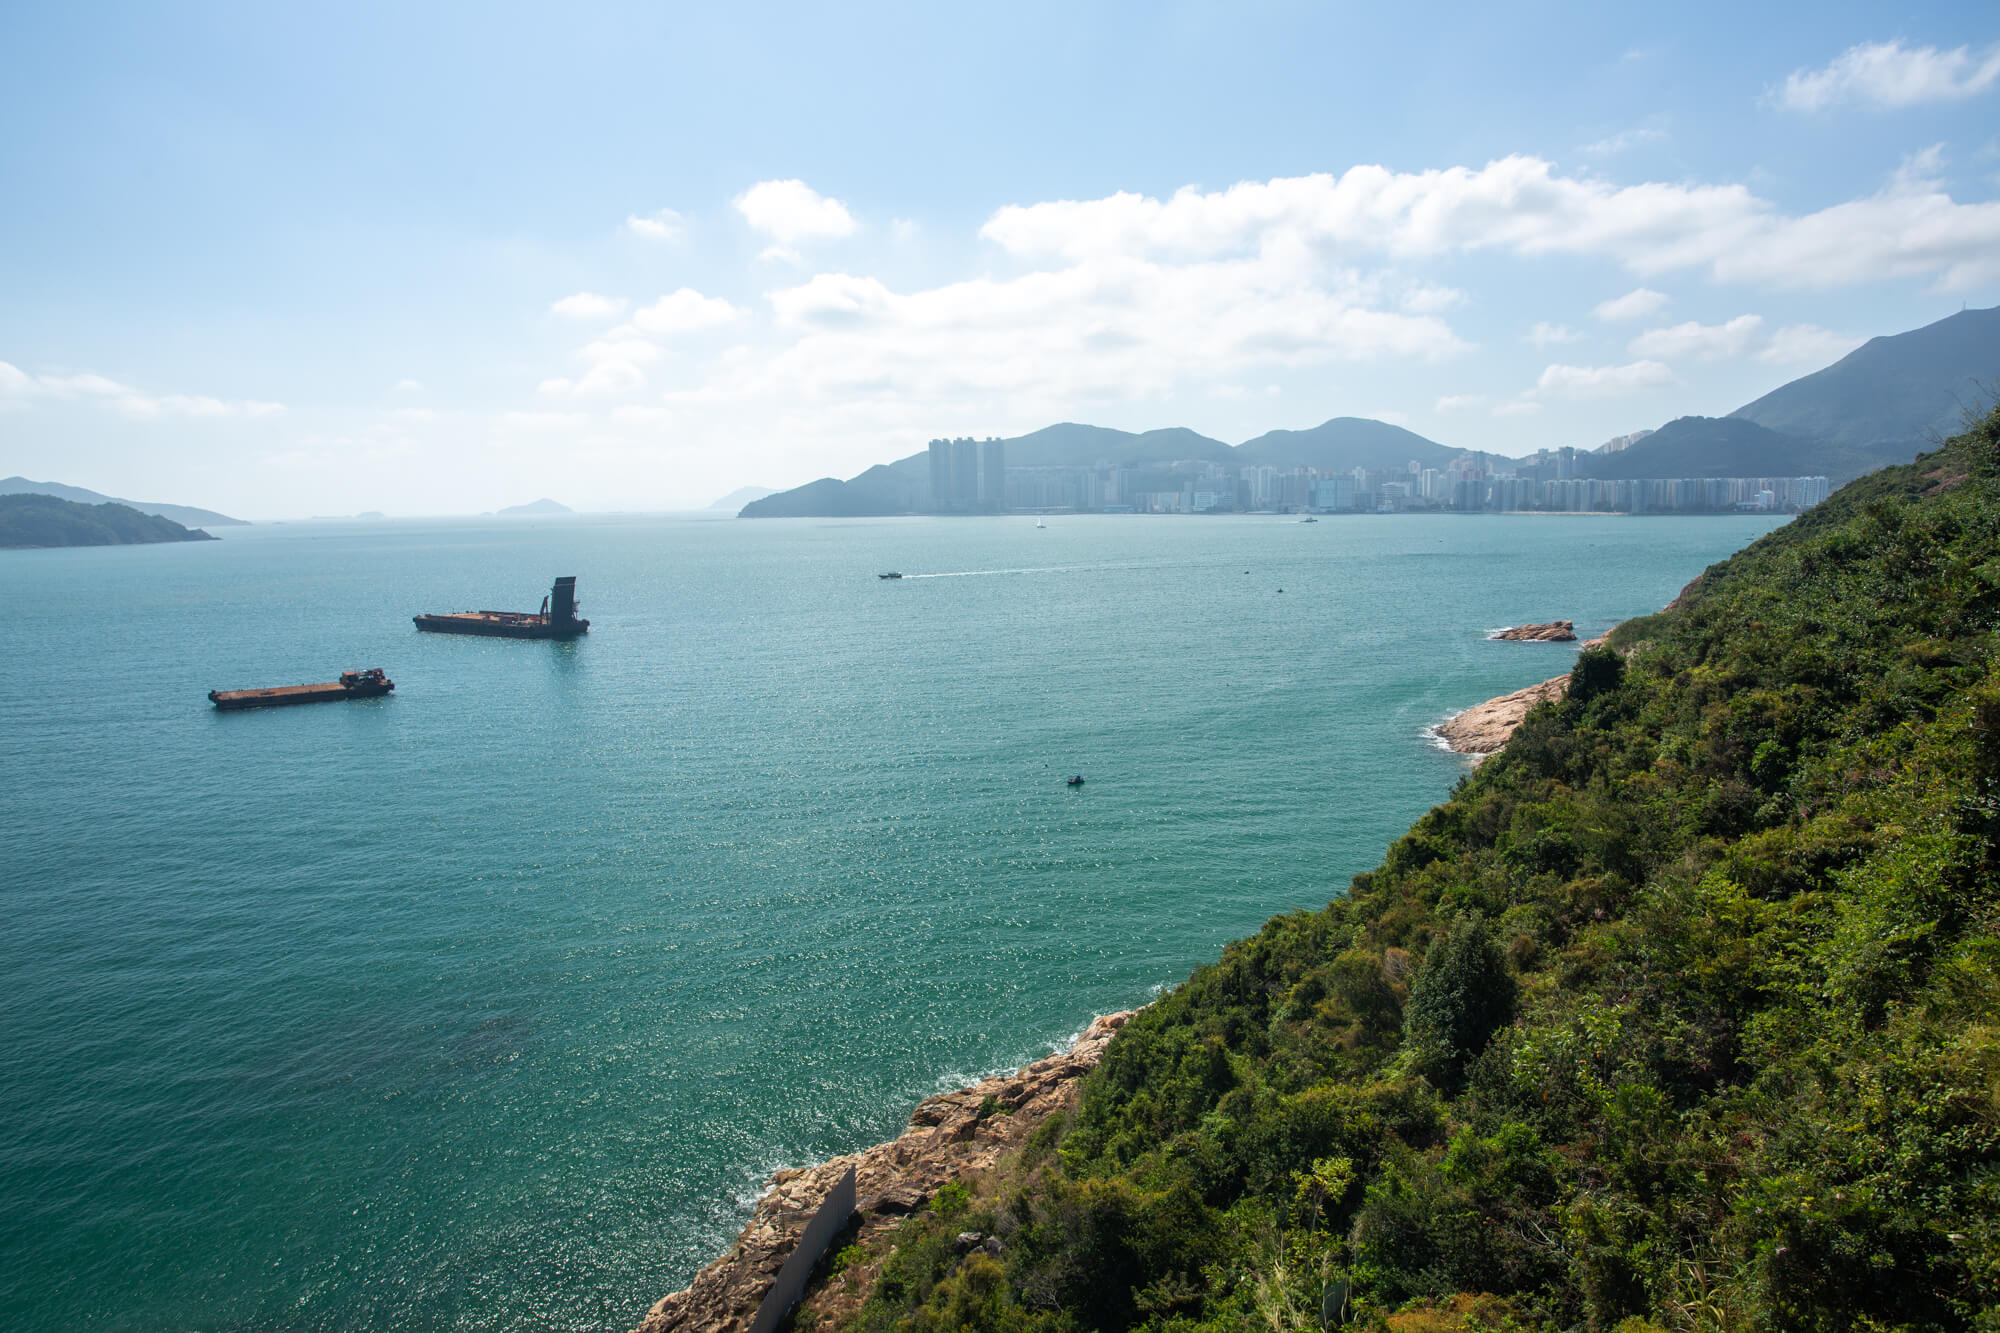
(351, 685)
(556, 620)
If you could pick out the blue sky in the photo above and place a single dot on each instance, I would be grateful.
(283, 260)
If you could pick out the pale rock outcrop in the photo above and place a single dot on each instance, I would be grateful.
(1483, 728)
(1555, 631)
(950, 1136)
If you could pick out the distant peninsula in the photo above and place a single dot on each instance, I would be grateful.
(186, 515)
(31, 520)
(542, 506)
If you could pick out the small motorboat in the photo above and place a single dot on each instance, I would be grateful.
(1075, 781)
(892, 574)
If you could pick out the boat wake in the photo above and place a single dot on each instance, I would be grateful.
(984, 573)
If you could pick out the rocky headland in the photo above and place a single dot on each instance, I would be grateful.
(949, 1137)
(1554, 631)
(1483, 728)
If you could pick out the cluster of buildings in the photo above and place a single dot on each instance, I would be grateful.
(972, 477)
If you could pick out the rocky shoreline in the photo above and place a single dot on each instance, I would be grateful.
(1483, 729)
(948, 1137)
(970, 1130)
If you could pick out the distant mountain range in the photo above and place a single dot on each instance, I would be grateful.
(1879, 404)
(533, 507)
(183, 514)
(31, 519)
(741, 496)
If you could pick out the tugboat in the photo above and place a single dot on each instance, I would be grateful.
(556, 620)
(351, 685)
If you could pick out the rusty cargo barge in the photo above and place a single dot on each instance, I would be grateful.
(351, 685)
(556, 620)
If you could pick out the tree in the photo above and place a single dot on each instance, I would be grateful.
(1461, 997)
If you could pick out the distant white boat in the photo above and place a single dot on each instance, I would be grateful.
(1039, 523)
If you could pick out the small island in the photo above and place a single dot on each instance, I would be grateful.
(1554, 631)
(29, 520)
(541, 506)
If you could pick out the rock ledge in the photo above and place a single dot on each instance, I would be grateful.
(1554, 631)
(949, 1136)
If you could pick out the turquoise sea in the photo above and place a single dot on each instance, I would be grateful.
(489, 1004)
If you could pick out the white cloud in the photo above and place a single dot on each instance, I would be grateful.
(1703, 342)
(791, 212)
(1429, 299)
(617, 360)
(1911, 229)
(587, 305)
(1637, 304)
(1807, 344)
(1623, 141)
(1459, 402)
(541, 422)
(1519, 407)
(615, 367)
(1603, 381)
(1890, 75)
(635, 350)
(633, 415)
(665, 225)
(409, 386)
(1105, 327)
(684, 311)
(1545, 334)
(18, 388)
(1521, 205)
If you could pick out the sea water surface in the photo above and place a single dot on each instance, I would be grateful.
(489, 1004)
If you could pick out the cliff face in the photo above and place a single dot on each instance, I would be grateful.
(949, 1138)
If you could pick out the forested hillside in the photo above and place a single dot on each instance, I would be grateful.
(29, 519)
(1682, 1013)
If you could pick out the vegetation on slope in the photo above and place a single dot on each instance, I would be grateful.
(1681, 1013)
(28, 519)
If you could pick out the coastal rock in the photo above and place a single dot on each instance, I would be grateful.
(1484, 728)
(1555, 631)
(949, 1136)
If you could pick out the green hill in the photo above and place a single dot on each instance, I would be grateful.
(1725, 447)
(28, 519)
(1892, 396)
(1343, 444)
(1683, 1012)
(1073, 445)
(185, 515)
(901, 487)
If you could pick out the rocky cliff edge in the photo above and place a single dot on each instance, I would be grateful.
(949, 1136)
